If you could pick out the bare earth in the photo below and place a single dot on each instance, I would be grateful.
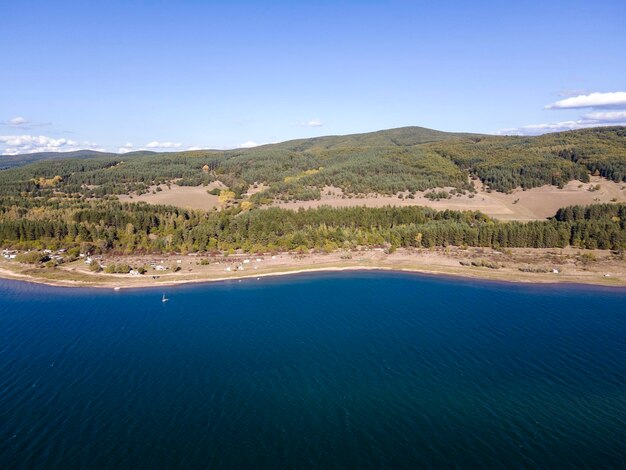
(532, 204)
(517, 265)
(187, 197)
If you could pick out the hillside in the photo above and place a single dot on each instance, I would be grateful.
(508, 162)
(402, 188)
(399, 137)
(12, 161)
(407, 161)
(404, 136)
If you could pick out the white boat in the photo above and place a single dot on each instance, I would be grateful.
(164, 299)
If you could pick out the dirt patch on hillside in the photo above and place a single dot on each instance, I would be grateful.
(187, 197)
(532, 204)
(255, 188)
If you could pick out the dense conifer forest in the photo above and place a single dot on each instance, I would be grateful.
(38, 223)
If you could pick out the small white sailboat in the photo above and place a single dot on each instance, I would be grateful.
(164, 299)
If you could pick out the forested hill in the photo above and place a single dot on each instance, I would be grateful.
(72, 202)
(11, 161)
(403, 136)
(405, 160)
(400, 137)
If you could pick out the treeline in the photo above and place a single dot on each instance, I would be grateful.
(615, 212)
(142, 228)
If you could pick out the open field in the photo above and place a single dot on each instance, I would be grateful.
(187, 197)
(532, 204)
(569, 265)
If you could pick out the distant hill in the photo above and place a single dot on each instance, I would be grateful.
(400, 137)
(403, 136)
(11, 161)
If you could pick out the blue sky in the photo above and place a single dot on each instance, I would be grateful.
(177, 75)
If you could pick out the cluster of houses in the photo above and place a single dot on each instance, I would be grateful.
(9, 254)
(88, 259)
(240, 267)
(58, 256)
(160, 265)
(54, 255)
(156, 265)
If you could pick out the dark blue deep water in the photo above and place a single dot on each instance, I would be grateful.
(359, 370)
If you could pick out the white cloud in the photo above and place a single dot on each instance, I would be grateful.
(312, 123)
(127, 147)
(611, 116)
(91, 146)
(248, 144)
(615, 99)
(17, 144)
(536, 129)
(163, 145)
(18, 121)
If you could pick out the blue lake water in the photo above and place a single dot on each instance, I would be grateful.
(350, 370)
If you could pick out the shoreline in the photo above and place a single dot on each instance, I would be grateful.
(294, 267)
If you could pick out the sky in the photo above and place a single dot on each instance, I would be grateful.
(165, 75)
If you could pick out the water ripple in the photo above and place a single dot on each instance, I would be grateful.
(358, 370)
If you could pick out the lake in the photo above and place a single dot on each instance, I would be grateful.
(336, 370)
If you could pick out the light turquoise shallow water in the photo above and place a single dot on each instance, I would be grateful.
(350, 370)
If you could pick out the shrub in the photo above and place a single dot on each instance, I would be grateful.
(32, 257)
(113, 268)
(95, 266)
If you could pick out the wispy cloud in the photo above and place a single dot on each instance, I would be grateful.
(19, 122)
(611, 116)
(536, 129)
(18, 144)
(572, 92)
(615, 99)
(163, 145)
(560, 126)
(312, 123)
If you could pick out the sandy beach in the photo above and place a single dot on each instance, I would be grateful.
(597, 267)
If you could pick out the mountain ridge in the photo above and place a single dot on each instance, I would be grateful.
(419, 134)
(405, 136)
(392, 161)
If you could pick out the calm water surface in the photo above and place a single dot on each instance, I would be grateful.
(358, 370)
